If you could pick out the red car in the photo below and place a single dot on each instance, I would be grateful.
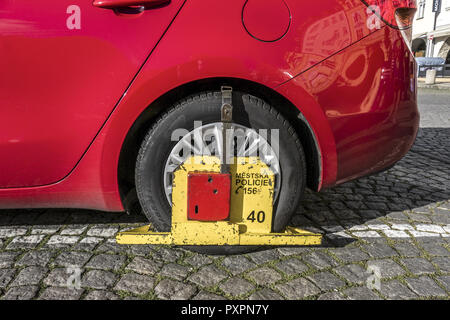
(92, 91)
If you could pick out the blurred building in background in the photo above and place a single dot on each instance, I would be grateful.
(431, 29)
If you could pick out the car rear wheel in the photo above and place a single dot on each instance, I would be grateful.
(159, 156)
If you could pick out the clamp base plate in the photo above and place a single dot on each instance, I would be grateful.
(251, 204)
(217, 233)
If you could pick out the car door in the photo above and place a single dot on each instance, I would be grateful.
(64, 66)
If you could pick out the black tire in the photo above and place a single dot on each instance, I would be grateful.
(249, 111)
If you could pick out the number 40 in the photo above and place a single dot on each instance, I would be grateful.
(260, 216)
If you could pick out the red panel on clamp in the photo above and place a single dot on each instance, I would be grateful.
(208, 196)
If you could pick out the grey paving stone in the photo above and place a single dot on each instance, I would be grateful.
(407, 249)
(106, 262)
(73, 230)
(326, 281)
(60, 242)
(337, 206)
(141, 250)
(321, 216)
(434, 247)
(173, 290)
(333, 295)
(47, 229)
(57, 277)
(110, 247)
(379, 250)
(236, 286)
(291, 266)
(319, 260)
(298, 289)
(98, 279)
(353, 273)
(260, 257)
(360, 293)
(424, 286)
(198, 260)
(58, 293)
(72, 259)
(358, 206)
(135, 283)
(439, 218)
(35, 258)
(106, 232)
(7, 259)
(347, 214)
(12, 232)
(6, 275)
(237, 264)
(445, 206)
(176, 271)
(370, 214)
(377, 206)
(289, 251)
(418, 266)
(264, 276)
(265, 294)
(445, 281)
(101, 295)
(29, 276)
(204, 295)
(21, 293)
(418, 217)
(87, 244)
(347, 254)
(443, 263)
(25, 242)
(170, 255)
(395, 290)
(398, 216)
(388, 268)
(208, 276)
(144, 266)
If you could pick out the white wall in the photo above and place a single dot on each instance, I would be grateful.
(424, 24)
(427, 22)
(438, 42)
(444, 17)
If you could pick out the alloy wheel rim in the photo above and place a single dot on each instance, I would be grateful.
(207, 140)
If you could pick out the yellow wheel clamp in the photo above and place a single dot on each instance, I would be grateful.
(249, 211)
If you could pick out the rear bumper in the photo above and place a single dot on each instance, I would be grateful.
(362, 106)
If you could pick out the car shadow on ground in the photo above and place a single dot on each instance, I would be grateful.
(419, 180)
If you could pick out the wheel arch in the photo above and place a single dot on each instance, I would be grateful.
(138, 130)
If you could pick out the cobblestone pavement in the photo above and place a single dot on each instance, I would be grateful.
(394, 226)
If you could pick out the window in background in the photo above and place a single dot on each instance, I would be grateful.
(421, 9)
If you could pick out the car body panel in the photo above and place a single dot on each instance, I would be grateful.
(367, 94)
(307, 67)
(58, 85)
